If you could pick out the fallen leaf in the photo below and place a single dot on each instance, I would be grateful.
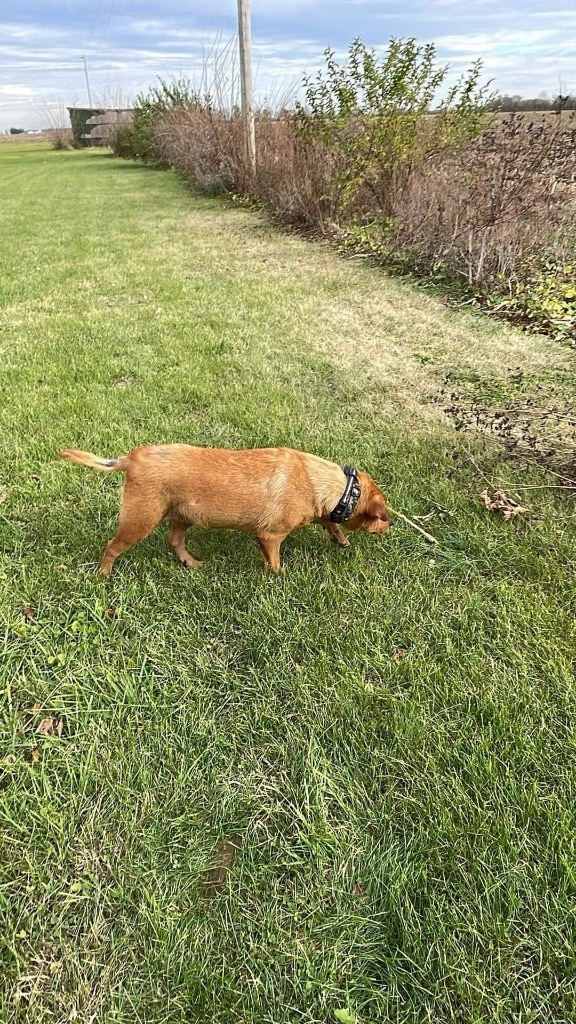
(399, 653)
(28, 612)
(3, 496)
(124, 382)
(36, 707)
(62, 567)
(225, 855)
(51, 727)
(8, 759)
(500, 502)
(111, 612)
(34, 755)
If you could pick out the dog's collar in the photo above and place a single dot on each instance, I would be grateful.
(347, 504)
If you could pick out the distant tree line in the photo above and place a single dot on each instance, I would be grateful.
(507, 104)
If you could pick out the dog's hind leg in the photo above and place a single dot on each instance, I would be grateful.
(135, 523)
(176, 538)
(270, 548)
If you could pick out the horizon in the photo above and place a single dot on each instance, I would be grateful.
(129, 46)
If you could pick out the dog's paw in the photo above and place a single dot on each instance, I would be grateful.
(190, 563)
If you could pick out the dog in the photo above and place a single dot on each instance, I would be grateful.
(267, 491)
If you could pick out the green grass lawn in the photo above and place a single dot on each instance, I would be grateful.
(390, 729)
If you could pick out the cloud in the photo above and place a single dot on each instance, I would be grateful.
(525, 48)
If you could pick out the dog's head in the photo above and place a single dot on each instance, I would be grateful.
(371, 513)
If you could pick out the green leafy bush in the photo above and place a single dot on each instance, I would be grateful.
(545, 301)
(122, 140)
(376, 115)
(140, 142)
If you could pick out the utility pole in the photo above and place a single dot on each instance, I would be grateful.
(87, 83)
(245, 43)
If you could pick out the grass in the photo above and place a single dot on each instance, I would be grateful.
(390, 729)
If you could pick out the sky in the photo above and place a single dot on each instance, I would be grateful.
(527, 47)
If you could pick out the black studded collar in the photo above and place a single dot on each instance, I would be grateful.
(349, 500)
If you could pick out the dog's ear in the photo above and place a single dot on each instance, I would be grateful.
(377, 507)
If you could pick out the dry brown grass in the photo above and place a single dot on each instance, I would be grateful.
(488, 213)
(58, 138)
(485, 213)
(43, 136)
(369, 326)
(292, 179)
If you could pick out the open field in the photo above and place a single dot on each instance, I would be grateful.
(390, 729)
(34, 137)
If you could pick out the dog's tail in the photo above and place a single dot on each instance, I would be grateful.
(94, 461)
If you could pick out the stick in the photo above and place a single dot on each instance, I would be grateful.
(544, 469)
(478, 470)
(427, 536)
(527, 487)
(542, 487)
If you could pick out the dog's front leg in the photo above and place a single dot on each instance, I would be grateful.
(335, 533)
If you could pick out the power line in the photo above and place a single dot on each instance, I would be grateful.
(106, 24)
(94, 23)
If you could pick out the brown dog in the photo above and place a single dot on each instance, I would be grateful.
(269, 491)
